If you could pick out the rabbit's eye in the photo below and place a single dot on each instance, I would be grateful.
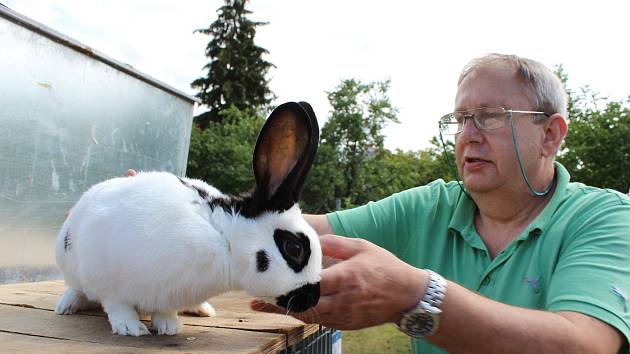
(294, 250)
(294, 247)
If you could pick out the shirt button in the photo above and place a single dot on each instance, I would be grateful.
(486, 280)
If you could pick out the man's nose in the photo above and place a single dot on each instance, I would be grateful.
(469, 132)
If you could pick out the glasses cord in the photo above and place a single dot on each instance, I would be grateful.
(450, 165)
(520, 164)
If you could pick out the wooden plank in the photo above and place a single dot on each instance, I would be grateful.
(232, 310)
(19, 343)
(85, 330)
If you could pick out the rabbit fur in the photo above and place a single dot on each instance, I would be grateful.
(158, 244)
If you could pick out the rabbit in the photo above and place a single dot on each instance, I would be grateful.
(157, 244)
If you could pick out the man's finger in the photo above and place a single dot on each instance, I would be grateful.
(130, 173)
(336, 277)
(340, 247)
(326, 305)
(310, 316)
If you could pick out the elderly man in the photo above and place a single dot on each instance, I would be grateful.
(516, 260)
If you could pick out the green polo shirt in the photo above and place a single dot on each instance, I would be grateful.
(575, 256)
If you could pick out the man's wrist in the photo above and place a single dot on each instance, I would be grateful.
(424, 318)
(421, 283)
(418, 281)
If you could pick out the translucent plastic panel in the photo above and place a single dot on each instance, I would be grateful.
(68, 121)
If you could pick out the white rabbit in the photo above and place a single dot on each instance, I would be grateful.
(158, 244)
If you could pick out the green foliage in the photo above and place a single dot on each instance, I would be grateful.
(222, 153)
(352, 166)
(596, 150)
(350, 138)
(396, 171)
(236, 71)
(319, 189)
(597, 147)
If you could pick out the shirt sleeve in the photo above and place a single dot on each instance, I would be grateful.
(592, 275)
(392, 222)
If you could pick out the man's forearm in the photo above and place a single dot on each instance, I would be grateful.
(471, 323)
(319, 223)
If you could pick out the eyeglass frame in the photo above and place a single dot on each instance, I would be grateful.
(461, 125)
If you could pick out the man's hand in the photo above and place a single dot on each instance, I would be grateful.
(370, 286)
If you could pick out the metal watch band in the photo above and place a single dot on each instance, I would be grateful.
(434, 295)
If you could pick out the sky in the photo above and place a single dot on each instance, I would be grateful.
(420, 46)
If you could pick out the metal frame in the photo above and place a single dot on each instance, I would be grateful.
(53, 35)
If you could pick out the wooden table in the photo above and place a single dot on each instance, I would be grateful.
(28, 324)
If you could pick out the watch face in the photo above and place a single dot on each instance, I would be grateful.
(419, 324)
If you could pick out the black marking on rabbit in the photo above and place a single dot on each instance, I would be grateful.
(295, 248)
(262, 261)
(203, 194)
(300, 299)
(248, 205)
(230, 204)
(67, 241)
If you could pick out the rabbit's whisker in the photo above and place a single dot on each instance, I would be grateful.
(289, 305)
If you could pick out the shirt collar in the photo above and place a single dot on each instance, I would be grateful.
(464, 214)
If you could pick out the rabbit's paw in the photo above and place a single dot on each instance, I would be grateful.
(202, 310)
(166, 323)
(72, 301)
(124, 320)
(130, 328)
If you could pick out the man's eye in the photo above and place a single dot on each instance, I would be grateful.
(490, 119)
(492, 122)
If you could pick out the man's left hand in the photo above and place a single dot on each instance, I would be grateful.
(369, 286)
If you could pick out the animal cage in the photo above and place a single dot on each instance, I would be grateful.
(71, 117)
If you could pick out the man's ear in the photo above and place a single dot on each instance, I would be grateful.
(555, 130)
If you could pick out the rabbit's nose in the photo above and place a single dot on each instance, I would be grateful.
(300, 299)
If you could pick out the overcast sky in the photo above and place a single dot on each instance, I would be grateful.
(419, 45)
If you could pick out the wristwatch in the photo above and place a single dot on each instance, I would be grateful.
(424, 319)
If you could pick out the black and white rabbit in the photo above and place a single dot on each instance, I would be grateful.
(158, 244)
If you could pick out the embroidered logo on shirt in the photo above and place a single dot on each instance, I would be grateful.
(617, 291)
(534, 282)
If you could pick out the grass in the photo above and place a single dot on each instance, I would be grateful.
(375, 340)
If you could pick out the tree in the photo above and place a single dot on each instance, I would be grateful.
(236, 71)
(399, 170)
(597, 149)
(351, 137)
(380, 176)
(222, 153)
(318, 195)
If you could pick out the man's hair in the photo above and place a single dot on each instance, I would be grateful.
(542, 86)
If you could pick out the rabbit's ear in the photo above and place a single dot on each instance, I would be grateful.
(284, 153)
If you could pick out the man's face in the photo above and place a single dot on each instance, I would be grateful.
(486, 160)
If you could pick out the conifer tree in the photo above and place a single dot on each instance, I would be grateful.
(236, 72)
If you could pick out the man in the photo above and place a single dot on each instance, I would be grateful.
(532, 262)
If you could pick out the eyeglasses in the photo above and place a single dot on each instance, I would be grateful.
(485, 118)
